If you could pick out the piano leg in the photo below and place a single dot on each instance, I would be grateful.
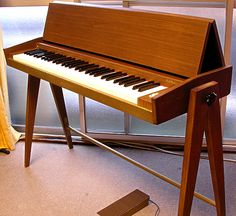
(32, 98)
(215, 153)
(61, 108)
(202, 117)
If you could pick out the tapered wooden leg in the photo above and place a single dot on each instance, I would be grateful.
(196, 121)
(215, 152)
(32, 98)
(61, 108)
(202, 116)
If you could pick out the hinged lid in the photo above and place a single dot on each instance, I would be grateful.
(179, 44)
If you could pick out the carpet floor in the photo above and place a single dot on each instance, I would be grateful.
(82, 181)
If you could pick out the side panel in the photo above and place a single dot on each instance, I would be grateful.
(174, 101)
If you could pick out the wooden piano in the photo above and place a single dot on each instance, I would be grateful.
(155, 66)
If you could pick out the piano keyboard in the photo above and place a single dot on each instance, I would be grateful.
(118, 84)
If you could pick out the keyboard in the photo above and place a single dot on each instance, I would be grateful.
(125, 86)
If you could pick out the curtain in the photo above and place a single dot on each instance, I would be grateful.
(8, 136)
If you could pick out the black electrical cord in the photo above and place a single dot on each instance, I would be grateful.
(158, 207)
(154, 148)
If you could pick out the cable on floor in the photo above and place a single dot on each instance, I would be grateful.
(158, 207)
(154, 148)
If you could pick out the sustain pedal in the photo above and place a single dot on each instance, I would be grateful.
(127, 205)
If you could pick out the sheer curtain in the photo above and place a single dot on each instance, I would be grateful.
(8, 136)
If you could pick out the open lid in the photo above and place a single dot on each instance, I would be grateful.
(179, 44)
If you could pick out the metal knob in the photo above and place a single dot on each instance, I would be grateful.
(211, 98)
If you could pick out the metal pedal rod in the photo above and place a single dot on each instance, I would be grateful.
(145, 168)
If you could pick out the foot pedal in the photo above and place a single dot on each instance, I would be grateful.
(127, 205)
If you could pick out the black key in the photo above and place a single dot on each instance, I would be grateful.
(112, 76)
(142, 85)
(85, 67)
(47, 54)
(117, 76)
(81, 66)
(48, 57)
(103, 72)
(64, 60)
(134, 81)
(68, 63)
(95, 70)
(74, 63)
(118, 80)
(32, 52)
(57, 60)
(126, 80)
(123, 79)
(144, 88)
(78, 63)
(91, 68)
(45, 58)
(39, 54)
(57, 56)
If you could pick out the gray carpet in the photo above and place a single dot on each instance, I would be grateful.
(82, 181)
